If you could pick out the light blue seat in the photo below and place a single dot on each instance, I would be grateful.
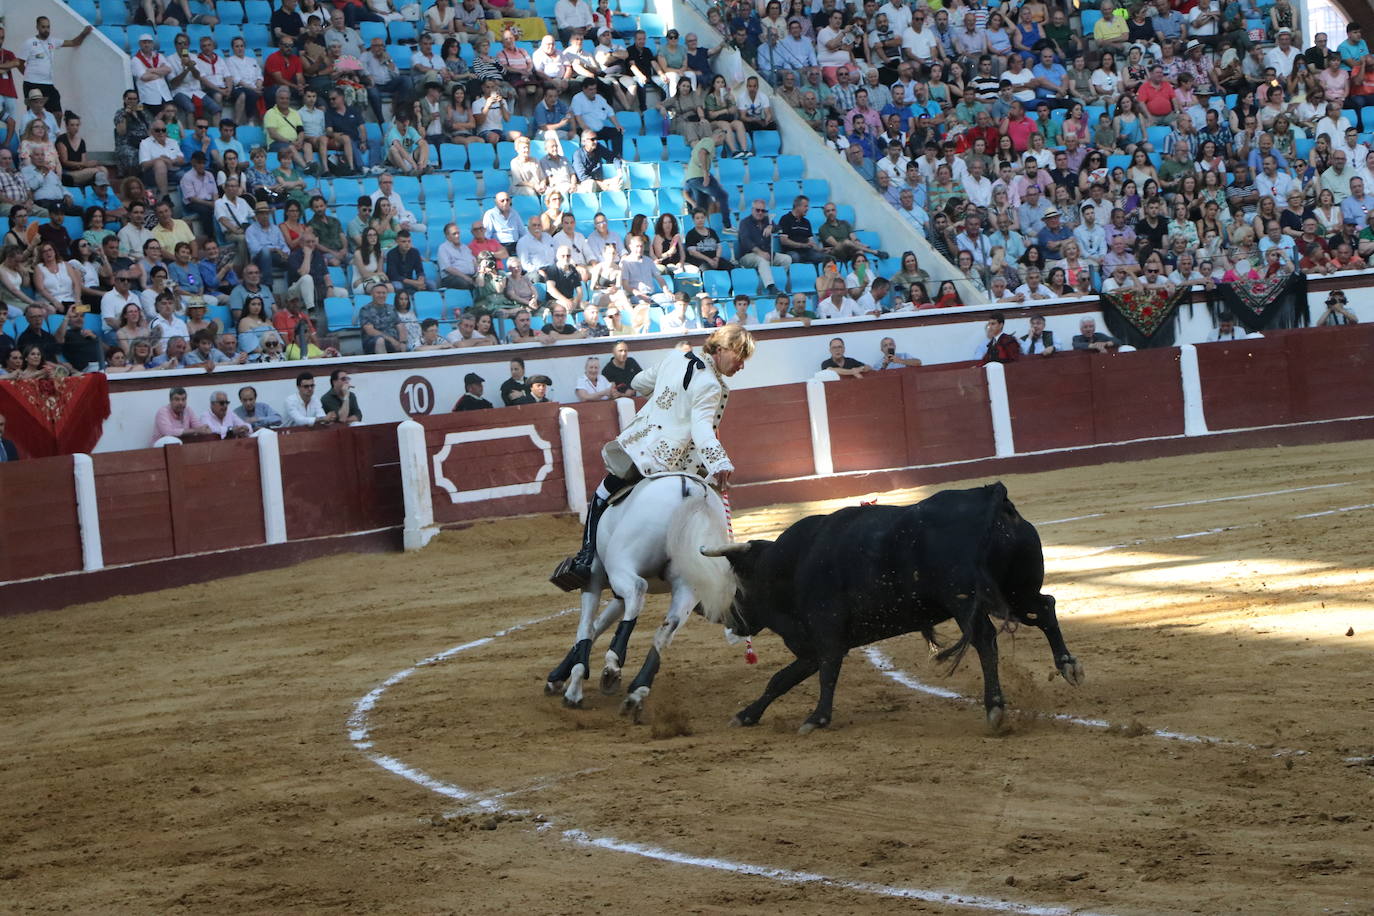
(791, 167)
(744, 281)
(643, 174)
(767, 143)
(434, 187)
(429, 305)
(481, 157)
(717, 283)
(645, 202)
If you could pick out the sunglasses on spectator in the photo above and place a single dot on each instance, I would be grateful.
(272, 345)
(219, 402)
(307, 384)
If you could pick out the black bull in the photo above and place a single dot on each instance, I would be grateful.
(830, 583)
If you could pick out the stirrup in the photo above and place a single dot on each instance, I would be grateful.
(571, 575)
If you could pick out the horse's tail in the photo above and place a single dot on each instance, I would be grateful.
(699, 521)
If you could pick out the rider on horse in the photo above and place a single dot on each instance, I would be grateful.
(674, 431)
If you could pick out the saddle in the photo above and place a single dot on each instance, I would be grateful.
(620, 495)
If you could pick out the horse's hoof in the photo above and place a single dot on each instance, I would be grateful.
(996, 717)
(1072, 671)
(610, 680)
(553, 688)
(571, 703)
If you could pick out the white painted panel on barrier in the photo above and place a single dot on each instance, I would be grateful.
(487, 435)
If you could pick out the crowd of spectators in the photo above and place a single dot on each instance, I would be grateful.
(1043, 152)
(1049, 152)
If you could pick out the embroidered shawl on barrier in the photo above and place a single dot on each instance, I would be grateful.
(1143, 316)
(57, 416)
(1259, 305)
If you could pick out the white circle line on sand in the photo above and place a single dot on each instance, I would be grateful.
(888, 668)
(360, 731)
(1201, 502)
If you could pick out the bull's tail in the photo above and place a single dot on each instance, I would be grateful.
(984, 589)
(697, 522)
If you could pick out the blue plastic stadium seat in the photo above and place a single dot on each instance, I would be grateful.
(481, 157)
(761, 168)
(505, 150)
(366, 30)
(1156, 135)
(670, 200)
(646, 149)
(818, 189)
(801, 278)
(402, 31)
(457, 301)
(339, 312)
(114, 12)
(1121, 161)
(429, 305)
(767, 143)
(1090, 19)
(672, 174)
(585, 206)
(230, 12)
(435, 188)
(527, 205)
(784, 192)
(225, 33)
(845, 212)
(731, 172)
(1367, 118)
(758, 190)
(117, 35)
(653, 122)
(85, 9)
(643, 174)
(631, 7)
(612, 203)
(257, 34)
(791, 167)
(744, 281)
(402, 55)
(464, 185)
(677, 149)
(717, 283)
(454, 156)
(645, 202)
(653, 25)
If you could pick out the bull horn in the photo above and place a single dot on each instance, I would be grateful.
(725, 550)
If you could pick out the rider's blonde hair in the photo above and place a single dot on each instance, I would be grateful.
(730, 337)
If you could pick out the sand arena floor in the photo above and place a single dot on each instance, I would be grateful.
(191, 750)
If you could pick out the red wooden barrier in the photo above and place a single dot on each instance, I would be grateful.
(1136, 395)
(1051, 401)
(320, 482)
(217, 495)
(866, 421)
(1245, 383)
(484, 467)
(1331, 372)
(1070, 400)
(947, 414)
(135, 509)
(39, 534)
(599, 423)
(767, 433)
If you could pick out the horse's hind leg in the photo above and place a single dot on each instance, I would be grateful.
(679, 608)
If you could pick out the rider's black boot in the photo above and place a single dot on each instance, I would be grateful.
(576, 571)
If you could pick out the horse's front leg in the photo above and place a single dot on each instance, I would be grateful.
(620, 642)
(577, 663)
(679, 609)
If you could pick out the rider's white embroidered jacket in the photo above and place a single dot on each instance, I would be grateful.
(676, 429)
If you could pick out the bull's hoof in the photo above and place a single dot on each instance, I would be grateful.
(741, 719)
(1072, 671)
(997, 717)
(810, 725)
(610, 680)
(553, 688)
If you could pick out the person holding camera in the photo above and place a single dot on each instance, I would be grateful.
(891, 359)
(1336, 312)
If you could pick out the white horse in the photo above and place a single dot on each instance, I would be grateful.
(649, 542)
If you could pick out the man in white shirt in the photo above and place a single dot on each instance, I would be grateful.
(457, 266)
(977, 186)
(386, 188)
(150, 71)
(1032, 289)
(535, 249)
(1227, 330)
(1283, 55)
(894, 163)
(898, 15)
(160, 157)
(919, 43)
(302, 407)
(838, 305)
(572, 14)
(233, 213)
(37, 55)
(591, 112)
(567, 235)
(502, 222)
(600, 237)
(112, 304)
(755, 109)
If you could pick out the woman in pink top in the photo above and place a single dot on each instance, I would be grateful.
(1335, 79)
